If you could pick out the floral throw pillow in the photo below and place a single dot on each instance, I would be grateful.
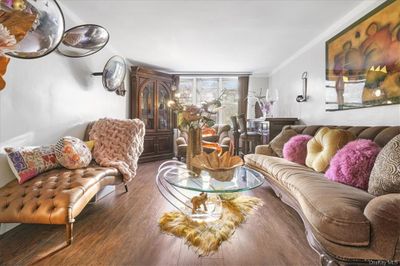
(73, 153)
(28, 162)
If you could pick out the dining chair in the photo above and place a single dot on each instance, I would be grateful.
(249, 139)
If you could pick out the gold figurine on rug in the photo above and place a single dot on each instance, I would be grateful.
(197, 201)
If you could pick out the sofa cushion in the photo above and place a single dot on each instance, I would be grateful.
(54, 197)
(353, 163)
(324, 146)
(334, 210)
(73, 153)
(295, 150)
(385, 175)
(277, 143)
(267, 164)
(28, 162)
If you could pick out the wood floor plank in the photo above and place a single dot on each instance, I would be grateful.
(122, 229)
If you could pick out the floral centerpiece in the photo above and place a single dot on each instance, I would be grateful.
(193, 119)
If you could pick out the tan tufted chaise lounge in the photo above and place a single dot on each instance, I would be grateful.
(55, 197)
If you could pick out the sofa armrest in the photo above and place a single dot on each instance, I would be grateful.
(383, 212)
(226, 141)
(265, 150)
(180, 141)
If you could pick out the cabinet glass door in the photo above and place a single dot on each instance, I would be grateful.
(163, 110)
(147, 105)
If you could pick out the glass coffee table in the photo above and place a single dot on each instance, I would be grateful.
(199, 195)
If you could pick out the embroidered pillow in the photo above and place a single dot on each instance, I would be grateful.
(295, 149)
(385, 175)
(28, 162)
(352, 165)
(73, 153)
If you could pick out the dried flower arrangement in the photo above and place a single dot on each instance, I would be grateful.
(193, 116)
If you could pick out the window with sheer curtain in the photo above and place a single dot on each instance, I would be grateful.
(194, 90)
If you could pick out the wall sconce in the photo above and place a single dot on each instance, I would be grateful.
(303, 97)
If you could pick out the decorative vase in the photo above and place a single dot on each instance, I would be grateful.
(193, 148)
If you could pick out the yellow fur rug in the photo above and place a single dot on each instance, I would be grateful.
(207, 237)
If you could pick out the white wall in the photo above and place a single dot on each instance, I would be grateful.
(257, 85)
(51, 97)
(287, 79)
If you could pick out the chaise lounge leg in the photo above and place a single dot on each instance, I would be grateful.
(69, 236)
(126, 188)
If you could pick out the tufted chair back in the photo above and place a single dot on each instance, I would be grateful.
(381, 135)
(222, 131)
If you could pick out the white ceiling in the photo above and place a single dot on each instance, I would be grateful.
(210, 36)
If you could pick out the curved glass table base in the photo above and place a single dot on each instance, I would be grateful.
(178, 185)
(181, 198)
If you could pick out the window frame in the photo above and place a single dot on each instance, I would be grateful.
(220, 116)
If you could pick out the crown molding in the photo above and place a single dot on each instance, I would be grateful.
(335, 28)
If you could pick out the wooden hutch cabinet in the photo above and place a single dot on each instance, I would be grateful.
(151, 91)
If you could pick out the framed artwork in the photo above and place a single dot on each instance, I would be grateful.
(363, 61)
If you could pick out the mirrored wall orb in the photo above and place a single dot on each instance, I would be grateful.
(46, 33)
(114, 73)
(83, 40)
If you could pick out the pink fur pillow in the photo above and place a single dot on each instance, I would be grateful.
(295, 149)
(352, 165)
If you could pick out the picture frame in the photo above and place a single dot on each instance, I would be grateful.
(363, 61)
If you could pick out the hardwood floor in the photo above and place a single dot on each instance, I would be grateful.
(122, 229)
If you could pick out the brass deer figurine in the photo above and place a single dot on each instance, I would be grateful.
(197, 201)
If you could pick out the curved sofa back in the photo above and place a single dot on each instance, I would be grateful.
(381, 135)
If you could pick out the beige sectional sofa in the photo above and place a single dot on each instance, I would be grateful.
(345, 225)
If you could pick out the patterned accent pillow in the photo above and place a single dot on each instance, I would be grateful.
(28, 162)
(385, 175)
(73, 153)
